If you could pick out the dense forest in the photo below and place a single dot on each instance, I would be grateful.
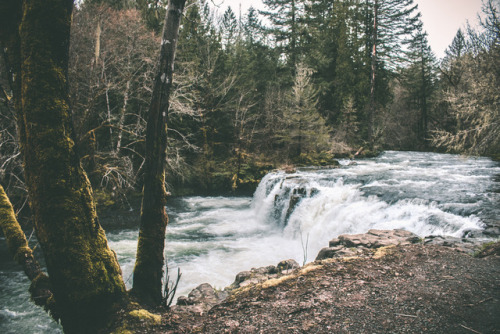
(300, 83)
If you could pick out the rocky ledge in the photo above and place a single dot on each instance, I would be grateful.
(373, 244)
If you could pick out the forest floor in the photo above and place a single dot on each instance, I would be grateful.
(404, 289)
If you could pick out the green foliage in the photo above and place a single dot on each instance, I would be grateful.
(415, 89)
(315, 159)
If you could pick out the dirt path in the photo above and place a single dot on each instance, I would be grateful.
(408, 289)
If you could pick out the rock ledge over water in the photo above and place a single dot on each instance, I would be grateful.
(374, 244)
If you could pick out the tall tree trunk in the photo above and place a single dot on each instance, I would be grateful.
(148, 271)
(84, 273)
(424, 119)
(122, 116)
(371, 116)
(293, 41)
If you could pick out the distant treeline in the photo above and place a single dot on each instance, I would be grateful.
(302, 82)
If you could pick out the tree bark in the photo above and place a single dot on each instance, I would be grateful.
(148, 270)
(371, 117)
(40, 291)
(84, 273)
(423, 116)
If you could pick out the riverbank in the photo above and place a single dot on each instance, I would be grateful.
(409, 287)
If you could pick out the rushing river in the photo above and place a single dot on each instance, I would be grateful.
(211, 239)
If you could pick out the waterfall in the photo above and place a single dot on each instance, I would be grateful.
(211, 239)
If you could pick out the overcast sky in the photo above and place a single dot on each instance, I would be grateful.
(441, 18)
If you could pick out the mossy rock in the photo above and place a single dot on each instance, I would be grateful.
(488, 249)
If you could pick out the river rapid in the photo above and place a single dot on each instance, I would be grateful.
(294, 215)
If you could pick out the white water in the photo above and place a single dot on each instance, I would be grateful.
(211, 239)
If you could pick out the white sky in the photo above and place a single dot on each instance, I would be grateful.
(442, 18)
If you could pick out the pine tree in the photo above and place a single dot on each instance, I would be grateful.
(153, 12)
(229, 27)
(286, 27)
(420, 78)
(393, 22)
(451, 68)
(336, 47)
(305, 131)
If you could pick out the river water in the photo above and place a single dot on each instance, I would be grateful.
(294, 215)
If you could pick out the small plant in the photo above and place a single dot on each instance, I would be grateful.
(304, 248)
(170, 287)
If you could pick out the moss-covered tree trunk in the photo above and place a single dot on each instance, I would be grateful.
(23, 254)
(148, 271)
(84, 273)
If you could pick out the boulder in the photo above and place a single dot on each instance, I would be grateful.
(254, 280)
(464, 245)
(269, 270)
(258, 275)
(287, 265)
(338, 251)
(376, 238)
(254, 276)
(200, 300)
(328, 252)
(242, 276)
(335, 242)
(355, 244)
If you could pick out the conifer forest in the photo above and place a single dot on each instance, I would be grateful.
(299, 83)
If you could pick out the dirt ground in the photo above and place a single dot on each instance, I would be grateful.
(407, 289)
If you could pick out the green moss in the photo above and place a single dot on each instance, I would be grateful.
(146, 316)
(16, 240)
(488, 248)
(84, 273)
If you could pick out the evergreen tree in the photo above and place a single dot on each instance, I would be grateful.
(420, 81)
(335, 50)
(284, 16)
(451, 68)
(305, 130)
(229, 27)
(393, 22)
(153, 12)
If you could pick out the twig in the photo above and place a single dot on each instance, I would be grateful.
(406, 315)
(470, 329)
(484, 300)
(480, 302)
(473, 280)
